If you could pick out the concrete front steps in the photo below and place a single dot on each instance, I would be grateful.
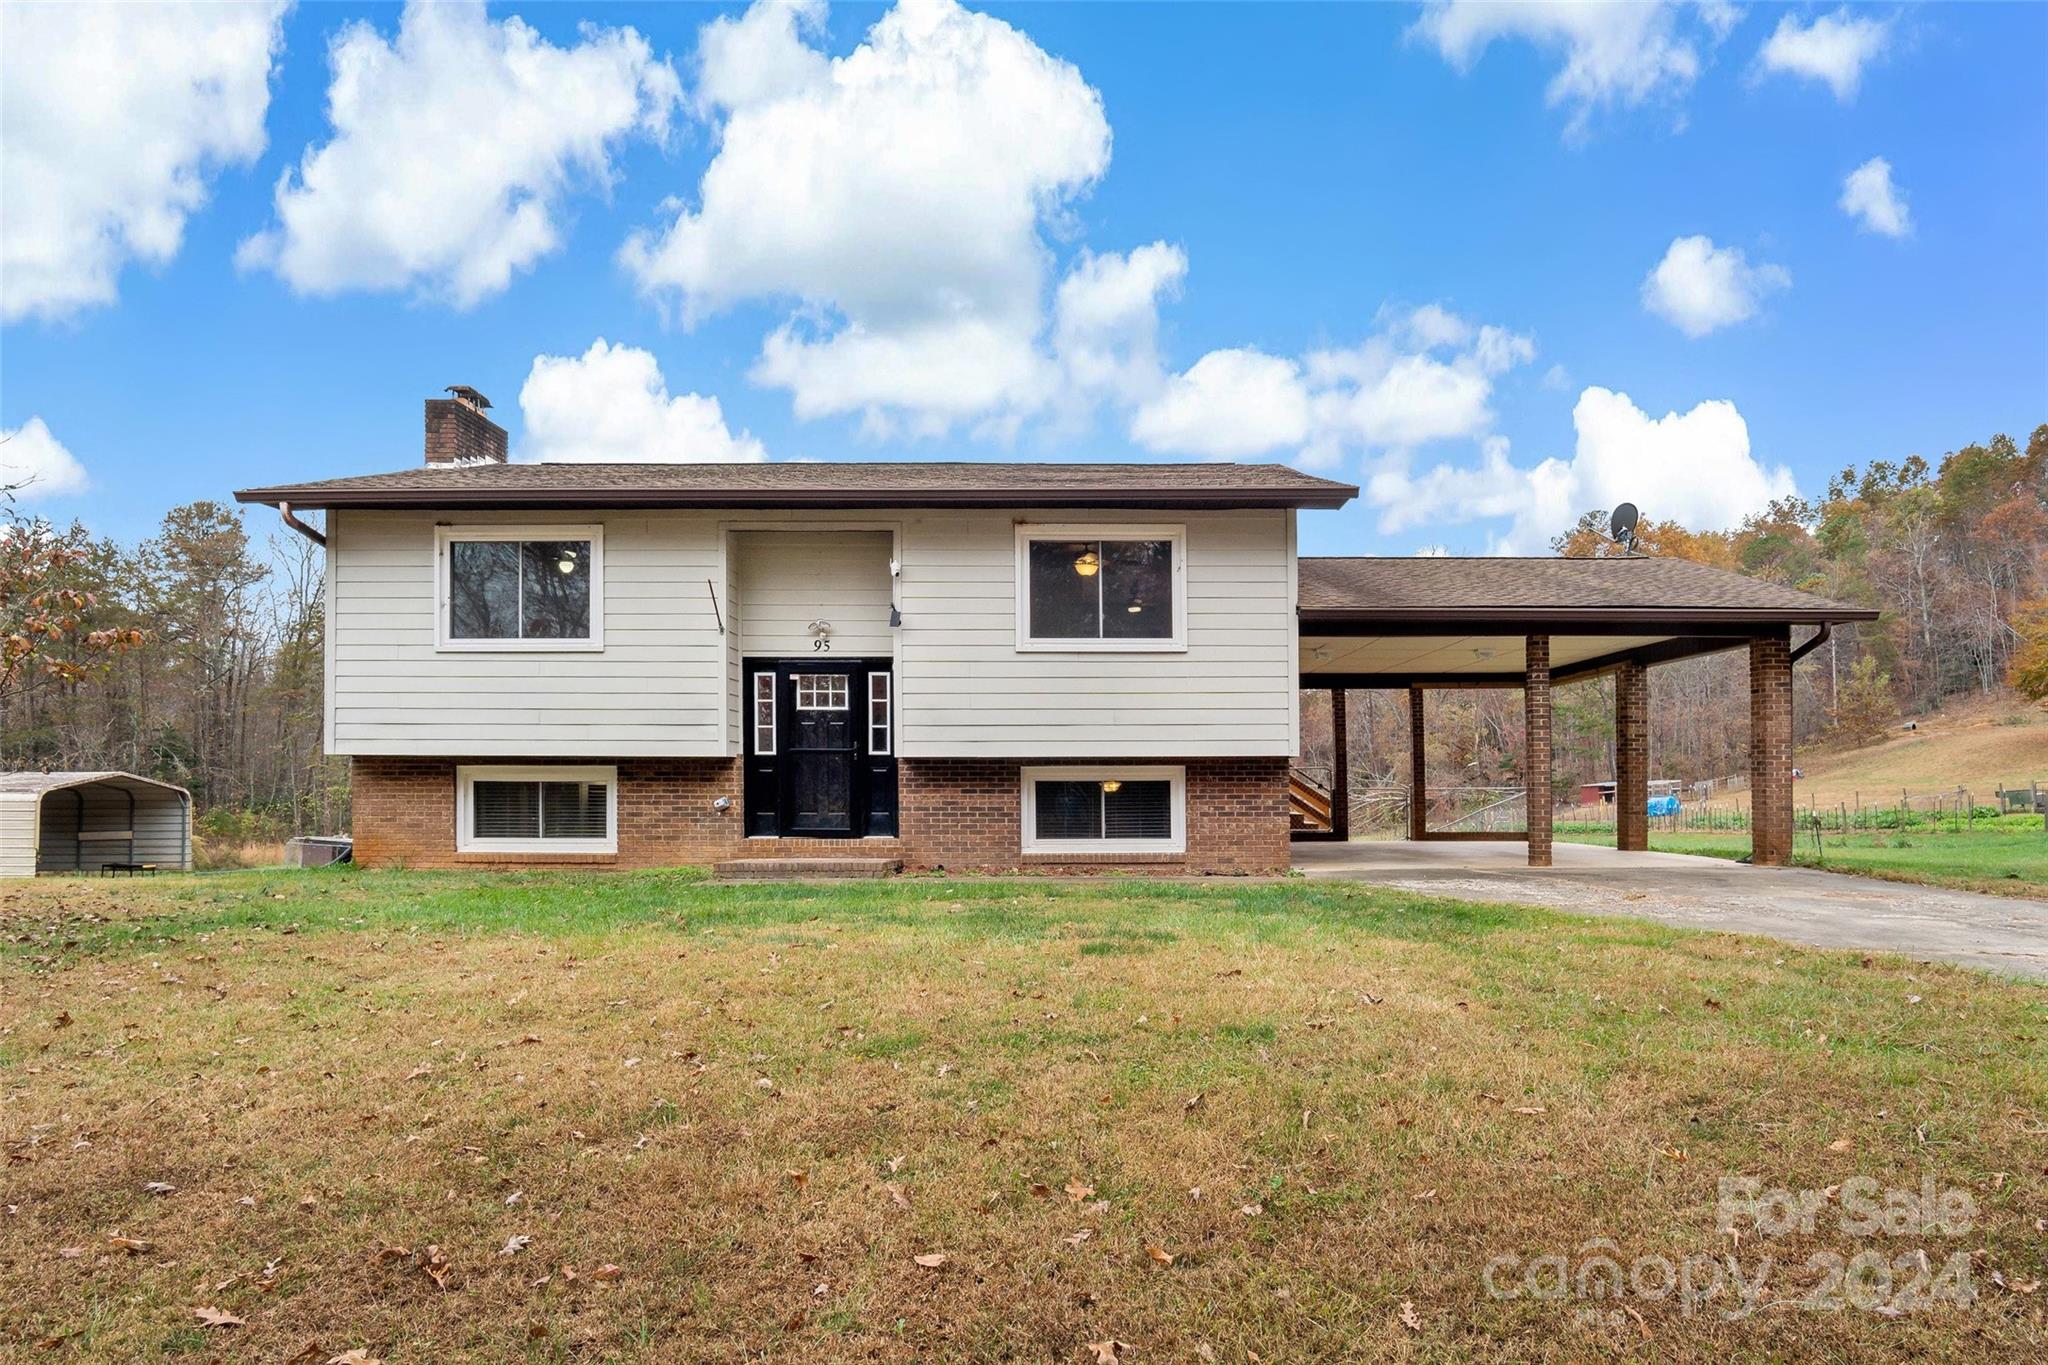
(803, 869)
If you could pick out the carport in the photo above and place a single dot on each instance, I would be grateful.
(92, 822)
(1425, 623)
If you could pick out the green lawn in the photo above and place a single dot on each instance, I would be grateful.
(2009, 859)
(642, 1117)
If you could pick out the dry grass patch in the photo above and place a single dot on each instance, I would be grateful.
(644, 1118)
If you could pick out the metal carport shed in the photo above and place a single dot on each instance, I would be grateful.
(92, 822)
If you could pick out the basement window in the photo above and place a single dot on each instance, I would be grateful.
(511, 588)
(548, 809)
(1105, 810)
(1101, 587)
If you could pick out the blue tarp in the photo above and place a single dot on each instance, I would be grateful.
(1663, 805)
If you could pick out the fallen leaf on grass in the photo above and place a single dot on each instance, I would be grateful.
(1193, 1102)
(214, 1317)
(71, 1253)
(606, 1273)
(358, 1356)
(931, 1260)
(1160, 1255)
(1079, 1237)
(1077, 1191)
(1840, 1145)
(437, 1266)
(1108, 1352)
(134, 1246)
(1251, 1210)
(797, 1178)
(515, 1244)
(160, 1187)
(897, 1196)
(63, 1019)
(1530, 1109)
(1408, 1316)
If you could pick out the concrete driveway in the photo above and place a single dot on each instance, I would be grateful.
(1827, 909)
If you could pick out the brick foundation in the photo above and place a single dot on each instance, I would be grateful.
(961, 815)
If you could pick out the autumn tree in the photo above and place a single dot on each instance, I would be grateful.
(46, 615)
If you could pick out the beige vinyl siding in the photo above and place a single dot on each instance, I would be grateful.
(18, 834)
(656, 688)
(667, 684)
(735, 645)
(789, 579)
(964, 689)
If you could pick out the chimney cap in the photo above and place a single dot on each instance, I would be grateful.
(464, 393)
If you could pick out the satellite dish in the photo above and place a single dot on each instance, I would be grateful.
(1622, 525)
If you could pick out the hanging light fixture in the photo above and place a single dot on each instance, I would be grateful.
(1087, 564)
(1137, 605)
(567, 563)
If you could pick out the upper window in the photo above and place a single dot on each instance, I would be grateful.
(507, 587)
(1100, 587)
(546, 809)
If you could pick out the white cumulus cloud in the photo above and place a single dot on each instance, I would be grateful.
(1695, 468)
(1228, 405)
(35, 464)
(1610, 55)
(896, 198)
(1833, 49)
(611, 404)
(1106, 320)
(1877, 204)
(1426, 375)
(113, 121)
(1699, 287)
(456, 146)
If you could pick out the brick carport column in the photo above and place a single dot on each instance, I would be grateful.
(1770, 750)
(1632, 757)
(1340, 768)
(1536, 764)
(1418, 793)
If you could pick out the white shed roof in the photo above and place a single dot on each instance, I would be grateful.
(35, 784)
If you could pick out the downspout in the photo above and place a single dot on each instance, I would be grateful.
(291, 519)
(1820, 637)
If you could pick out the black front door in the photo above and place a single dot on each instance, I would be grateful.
(820, 752)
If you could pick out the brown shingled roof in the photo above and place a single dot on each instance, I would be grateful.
(1560, 590)
(803, 484)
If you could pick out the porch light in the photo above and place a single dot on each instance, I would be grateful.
(1112, 785)
(1087, 564)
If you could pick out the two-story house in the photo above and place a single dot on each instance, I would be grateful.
(960, 665)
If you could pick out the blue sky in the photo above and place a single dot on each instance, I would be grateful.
(1470, 263)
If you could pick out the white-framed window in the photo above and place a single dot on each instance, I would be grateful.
(822, 692)
(764, 713)
(1123, 809)
(519, 587)
(544, 808)
(1087, 587)
(881, 713)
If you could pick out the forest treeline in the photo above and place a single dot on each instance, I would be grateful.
(220, 690)
(196, 655)
(1954, 553)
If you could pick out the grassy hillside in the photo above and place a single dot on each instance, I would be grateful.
(1980, 748)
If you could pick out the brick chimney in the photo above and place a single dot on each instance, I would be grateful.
(458, 432)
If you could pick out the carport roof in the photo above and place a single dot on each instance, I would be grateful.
(1552, 592)
(28, 784)
(1463, 622)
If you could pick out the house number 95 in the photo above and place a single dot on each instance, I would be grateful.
(821, 645)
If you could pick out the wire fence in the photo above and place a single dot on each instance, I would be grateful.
(1703, 808)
